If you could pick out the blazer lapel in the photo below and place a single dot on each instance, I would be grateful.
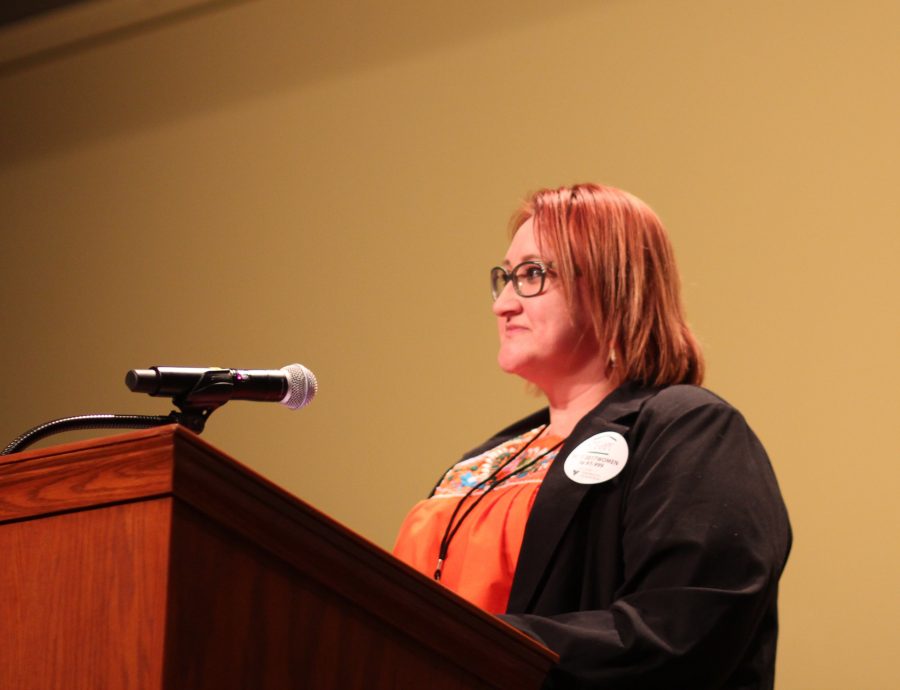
(559, 497)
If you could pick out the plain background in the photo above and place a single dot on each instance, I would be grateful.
(270, 181)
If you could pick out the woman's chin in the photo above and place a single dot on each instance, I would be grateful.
(506, 367)
(509, 361)
(512, 364)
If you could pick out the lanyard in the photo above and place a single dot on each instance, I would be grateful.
(491, 482)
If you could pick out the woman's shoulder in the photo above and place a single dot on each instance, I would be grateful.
(684, 398)
(691, 406)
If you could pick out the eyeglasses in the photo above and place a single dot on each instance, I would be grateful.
(527, 278)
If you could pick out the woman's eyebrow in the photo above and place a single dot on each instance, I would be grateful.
(528, 257)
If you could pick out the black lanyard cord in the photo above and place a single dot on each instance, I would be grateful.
(491, 482)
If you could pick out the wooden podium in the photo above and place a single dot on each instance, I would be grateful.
(152, 560)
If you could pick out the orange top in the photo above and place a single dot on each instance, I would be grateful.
(482, 556)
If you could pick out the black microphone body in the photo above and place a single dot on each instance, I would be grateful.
(293, 385)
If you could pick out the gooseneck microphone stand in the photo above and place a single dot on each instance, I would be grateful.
(193, 418)
(194, 408)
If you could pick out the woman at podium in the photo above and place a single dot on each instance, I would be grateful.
(634, 525)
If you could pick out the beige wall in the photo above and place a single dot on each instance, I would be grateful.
(274, 181)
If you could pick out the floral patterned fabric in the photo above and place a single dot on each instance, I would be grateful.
(482, 556)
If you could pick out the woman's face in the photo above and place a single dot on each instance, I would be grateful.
(539, 339)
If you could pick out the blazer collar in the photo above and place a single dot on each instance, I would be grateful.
(559, 497)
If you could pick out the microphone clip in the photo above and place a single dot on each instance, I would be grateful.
(212, 390)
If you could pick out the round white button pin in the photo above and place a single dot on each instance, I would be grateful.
(598, 459)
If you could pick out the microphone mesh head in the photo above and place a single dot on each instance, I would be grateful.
(302, 386)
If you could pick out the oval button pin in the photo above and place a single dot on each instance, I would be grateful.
(598, 459)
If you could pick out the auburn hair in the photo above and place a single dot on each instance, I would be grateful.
(617, 268)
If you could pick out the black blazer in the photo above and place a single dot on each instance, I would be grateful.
(665, 576)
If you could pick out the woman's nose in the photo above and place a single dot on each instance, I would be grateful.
(507, 302)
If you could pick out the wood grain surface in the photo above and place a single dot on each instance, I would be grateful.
(153, 560)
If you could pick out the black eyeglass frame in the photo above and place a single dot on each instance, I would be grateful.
(513, 275)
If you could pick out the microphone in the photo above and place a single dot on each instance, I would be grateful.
(294, 385)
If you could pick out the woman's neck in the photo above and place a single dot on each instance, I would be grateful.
(568, 404)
